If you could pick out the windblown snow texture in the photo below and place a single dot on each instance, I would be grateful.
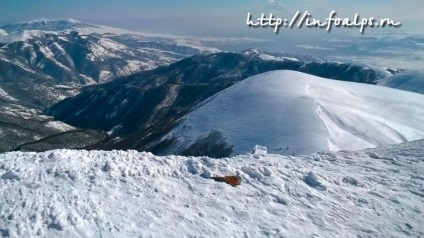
(296, 113)
(68, 193)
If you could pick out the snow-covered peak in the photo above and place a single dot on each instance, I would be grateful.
(60, 25)
(43, 24)
(292, 112)
(252, 51)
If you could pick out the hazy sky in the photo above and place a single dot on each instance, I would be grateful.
(197, 17)
(228, 18)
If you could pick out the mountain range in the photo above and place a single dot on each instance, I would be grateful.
(139, 109)
(115, 89)
(40, 55)
(45, 61)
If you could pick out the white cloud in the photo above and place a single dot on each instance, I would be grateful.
(310, 47)
(277, 3)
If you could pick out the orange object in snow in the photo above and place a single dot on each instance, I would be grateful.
(231, 180)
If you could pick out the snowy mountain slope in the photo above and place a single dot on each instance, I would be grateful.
(281, 56)
(295, 113)
(39, 61)
(143, 107)
(46, 61)
(80, 59)
(28, 129)
(43, 53)
(69, 25)
(66, 51)
(43, 24)
(67, 193)
(80, 53)
(61, 25)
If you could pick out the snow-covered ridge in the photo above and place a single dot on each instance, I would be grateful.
(270, 57)
(23, 35)
(47, 25)
(280, 56)
(67, 25)
(292, 112)
(68, 193)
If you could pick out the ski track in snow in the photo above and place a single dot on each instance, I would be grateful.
(69, 193)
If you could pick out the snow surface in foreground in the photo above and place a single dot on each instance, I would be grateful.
(68, 193)
(296, 113)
